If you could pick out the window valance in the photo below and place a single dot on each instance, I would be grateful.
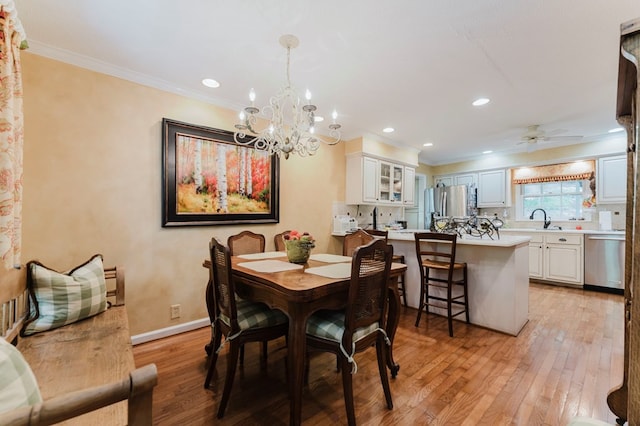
(577, 170)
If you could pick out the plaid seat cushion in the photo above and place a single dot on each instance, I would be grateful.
(58, 299)
(256, 315)
(329, 325)
(18, 386)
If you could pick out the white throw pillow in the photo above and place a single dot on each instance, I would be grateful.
(18, 385)
(59, 299)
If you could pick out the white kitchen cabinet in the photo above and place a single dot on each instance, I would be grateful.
(369, 179)
(457, 179)
(445, 180)
(391, 180)
(611, 187)
(361, 180)
(409, 188)
(555, 256)
(536, 257)
(564, 258)
(470, 179)
(494, 189)
(373, 181)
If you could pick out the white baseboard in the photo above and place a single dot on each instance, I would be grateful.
(169, 331)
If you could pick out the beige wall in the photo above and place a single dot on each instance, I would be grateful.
(377, 148)
(92, 184)
(545, 156)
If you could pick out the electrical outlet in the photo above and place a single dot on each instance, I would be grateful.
(175, 311)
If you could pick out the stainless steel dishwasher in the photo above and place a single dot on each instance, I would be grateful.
(604, 262)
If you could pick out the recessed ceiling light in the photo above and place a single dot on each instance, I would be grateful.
(481, 101)
(209, 82)
(616, 130)
(388, 130)
(428, 144)
(318, 118)
(487, 152)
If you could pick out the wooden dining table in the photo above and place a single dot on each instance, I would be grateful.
(298, 295)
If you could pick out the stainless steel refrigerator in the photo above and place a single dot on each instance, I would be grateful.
(451, 201)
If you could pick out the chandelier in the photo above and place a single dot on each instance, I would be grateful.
(291, 127)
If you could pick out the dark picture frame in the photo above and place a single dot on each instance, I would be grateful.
(209, 179)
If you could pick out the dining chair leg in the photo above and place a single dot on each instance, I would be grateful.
(263, 355)
(241, 355)
(347, 386)
(422, 296)
(213, 357)
(382, 368)
(208, 348)
(232, 361)
(404, 290)
(466, 294)
(449, 302)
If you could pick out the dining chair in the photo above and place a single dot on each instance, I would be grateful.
(278, 241)
(397, 258)
(239, 321)
(355, 240)
(437, 251)
(359, 326)
(246, 242)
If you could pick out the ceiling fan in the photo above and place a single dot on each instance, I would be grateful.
(534, 135)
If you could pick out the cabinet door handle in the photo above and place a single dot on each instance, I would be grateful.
(562, 239)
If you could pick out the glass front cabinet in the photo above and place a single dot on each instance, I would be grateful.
(390, 183)
(376, 181)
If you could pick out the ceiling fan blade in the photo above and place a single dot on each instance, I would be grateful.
(554, 132)
(563, 138)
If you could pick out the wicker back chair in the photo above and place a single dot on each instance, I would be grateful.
(240, 321)
(278, 241)
(246, 242)
(355, 240)
(360, 325)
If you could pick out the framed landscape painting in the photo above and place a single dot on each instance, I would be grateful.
(209, 179)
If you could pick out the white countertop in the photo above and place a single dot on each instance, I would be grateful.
(564, 230)
(504, 241)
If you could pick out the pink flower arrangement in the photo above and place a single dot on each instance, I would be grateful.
(294, 235)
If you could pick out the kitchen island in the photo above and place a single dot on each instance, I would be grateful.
(498, 276)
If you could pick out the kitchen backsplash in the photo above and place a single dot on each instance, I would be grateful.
(590, 221)
(389, 214)
(364, 214)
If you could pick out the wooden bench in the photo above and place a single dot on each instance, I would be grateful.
(85, 367)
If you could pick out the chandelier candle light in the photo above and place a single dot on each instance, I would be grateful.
(285, 133)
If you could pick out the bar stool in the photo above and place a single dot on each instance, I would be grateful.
(437, 251)
(397, 258)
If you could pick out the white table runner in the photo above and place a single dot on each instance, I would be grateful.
(330, 258)
(263, 255)
(270, 266)
(334, 270)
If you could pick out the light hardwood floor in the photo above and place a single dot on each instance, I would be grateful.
(563, 364)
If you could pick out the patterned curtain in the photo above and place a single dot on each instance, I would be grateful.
(578, 170)
(11, 135)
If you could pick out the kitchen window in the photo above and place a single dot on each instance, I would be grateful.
(561, 200)
(562, 190)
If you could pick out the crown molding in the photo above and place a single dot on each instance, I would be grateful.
(102, 67)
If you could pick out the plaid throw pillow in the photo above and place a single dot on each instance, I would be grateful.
(59, 299)
(18, 386)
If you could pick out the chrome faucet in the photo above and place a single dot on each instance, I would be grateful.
(546, 222)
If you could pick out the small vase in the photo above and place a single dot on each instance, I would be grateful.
(298, 251)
